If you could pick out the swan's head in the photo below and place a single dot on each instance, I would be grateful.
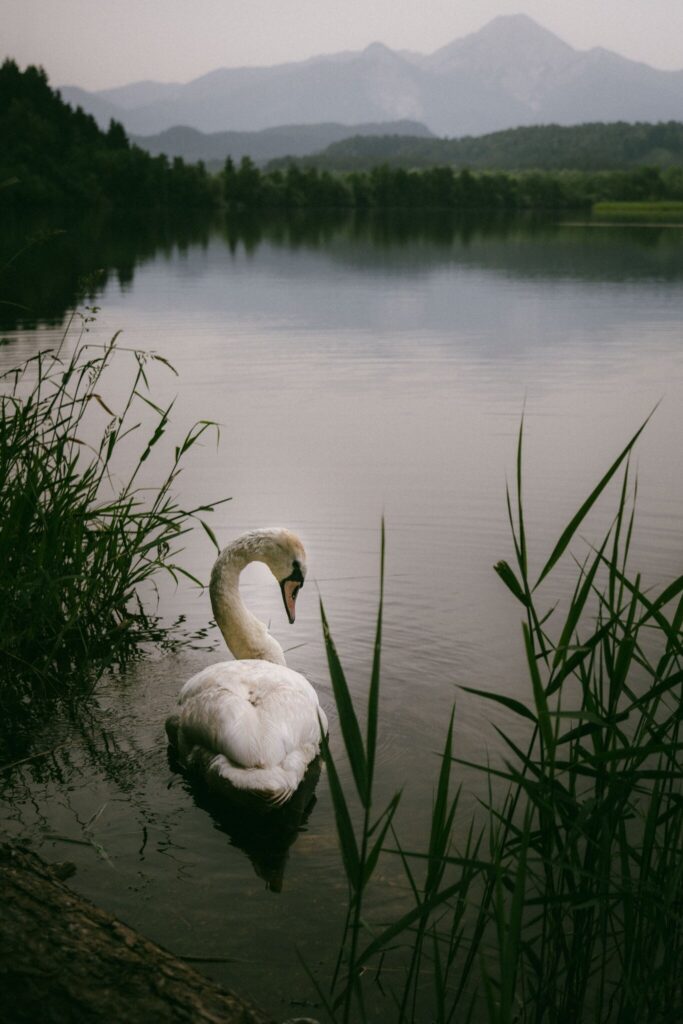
(287, 562)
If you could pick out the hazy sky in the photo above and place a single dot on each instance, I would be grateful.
(100, 43)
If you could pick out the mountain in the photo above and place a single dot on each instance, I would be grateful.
(140, 94)
(93, 103)
(511, 72)
(515, 53)
(287, 140)
(608, 85)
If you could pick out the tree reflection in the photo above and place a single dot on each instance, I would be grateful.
(50, 267)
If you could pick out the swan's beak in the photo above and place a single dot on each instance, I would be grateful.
(290, 588)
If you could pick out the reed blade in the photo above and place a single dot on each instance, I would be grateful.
(588, 504)
(347, 713)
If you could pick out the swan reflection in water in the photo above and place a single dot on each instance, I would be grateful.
(264, 834)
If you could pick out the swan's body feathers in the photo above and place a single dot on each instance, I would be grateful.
(250, 727)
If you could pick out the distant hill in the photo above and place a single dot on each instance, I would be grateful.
(586, 147)
(512, 72)
(294, 140)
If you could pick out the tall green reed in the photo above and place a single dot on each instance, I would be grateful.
(601, 935)
(81, 539)
(362, 945)
(565, 904)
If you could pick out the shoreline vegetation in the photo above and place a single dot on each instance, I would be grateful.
(83, 535)
(562, 900)
(445, 188)
(56, 157)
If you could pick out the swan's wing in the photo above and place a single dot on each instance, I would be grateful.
(254, 713)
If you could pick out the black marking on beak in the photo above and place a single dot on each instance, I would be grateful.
(295, 577)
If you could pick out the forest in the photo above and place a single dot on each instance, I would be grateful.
(54, 156)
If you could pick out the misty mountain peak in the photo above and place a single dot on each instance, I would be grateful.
(378, 53)
(510, 24)
(376, 49)
(512, 53)
(511, 72)
(510, 39)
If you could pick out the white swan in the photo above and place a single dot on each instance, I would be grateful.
(250, 727)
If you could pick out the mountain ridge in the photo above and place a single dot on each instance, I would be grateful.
(510, 72)
(294, 140)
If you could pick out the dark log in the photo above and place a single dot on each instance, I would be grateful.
(64, 960)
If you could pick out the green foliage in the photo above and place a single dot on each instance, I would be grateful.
(79, 549)
(57, 156)
(384, 187)
(441, 188)
(566, 904)
(551, 147)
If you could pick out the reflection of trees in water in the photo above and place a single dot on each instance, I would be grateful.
(51, 267)
(53, 264)
(68, 742)
(63, 753)
(315, 229)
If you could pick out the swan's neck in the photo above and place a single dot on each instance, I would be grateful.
(245, 635)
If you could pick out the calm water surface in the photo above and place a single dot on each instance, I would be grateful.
(358, 371)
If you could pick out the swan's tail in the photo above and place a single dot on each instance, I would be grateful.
(272, 786)
(275, 785)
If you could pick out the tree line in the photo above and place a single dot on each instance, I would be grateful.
(53, 155)
(247, 187)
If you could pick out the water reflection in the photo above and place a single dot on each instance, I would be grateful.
(54, 264)
(44, 792)
(264, 835)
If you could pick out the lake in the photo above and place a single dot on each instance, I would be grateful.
(358, 368)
